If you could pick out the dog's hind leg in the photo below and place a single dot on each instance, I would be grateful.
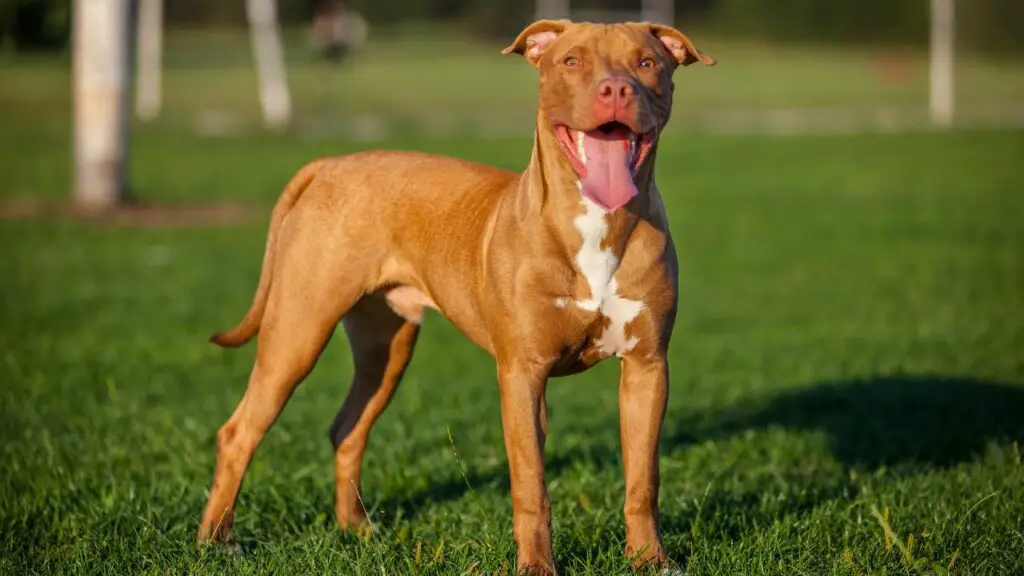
(382, 343)
(304, 306)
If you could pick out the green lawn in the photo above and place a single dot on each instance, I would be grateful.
(435, 83)
(849, 353)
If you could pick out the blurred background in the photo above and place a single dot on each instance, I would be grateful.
(366, 69)
(370, 70)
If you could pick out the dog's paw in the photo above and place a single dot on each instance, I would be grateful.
(228, 547)
(656, 564)
(534, 570)
(663, 567)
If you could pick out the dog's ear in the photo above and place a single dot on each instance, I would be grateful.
(536, 38)
(680, 45)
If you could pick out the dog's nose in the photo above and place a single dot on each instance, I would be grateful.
(616, 93)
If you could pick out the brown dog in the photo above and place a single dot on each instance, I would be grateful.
(550, 271)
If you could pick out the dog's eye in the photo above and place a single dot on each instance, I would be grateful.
(572, 61)
(647, 62)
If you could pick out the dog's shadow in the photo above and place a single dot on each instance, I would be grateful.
(934, 421)
(900, 420)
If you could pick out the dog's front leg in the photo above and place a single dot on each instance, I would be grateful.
(524, 422)
(643, 394)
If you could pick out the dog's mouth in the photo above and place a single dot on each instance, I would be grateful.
(606, 159)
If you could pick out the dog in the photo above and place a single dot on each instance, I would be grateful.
(550, 270)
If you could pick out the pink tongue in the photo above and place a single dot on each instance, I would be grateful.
(609, 180)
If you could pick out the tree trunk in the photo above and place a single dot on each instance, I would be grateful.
(553, 9)
(943, 55)
(100, 70)
(660, 11)
(268, 53)
(149, 65)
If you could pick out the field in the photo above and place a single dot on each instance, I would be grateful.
(440, 84)
(848, 360)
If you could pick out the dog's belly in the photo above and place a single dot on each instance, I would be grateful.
(408, 302)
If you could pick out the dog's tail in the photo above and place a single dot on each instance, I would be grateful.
(250, 325)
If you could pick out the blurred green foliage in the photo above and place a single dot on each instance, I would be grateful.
(34, 24)
(992, 26)
(982, 25)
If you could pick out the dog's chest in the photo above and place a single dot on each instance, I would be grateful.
(605, 310)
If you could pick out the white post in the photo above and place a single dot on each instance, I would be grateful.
(552, 9)
(100, 71)
(943, 40)
(149, 38)
(660, 11)
(275, 99)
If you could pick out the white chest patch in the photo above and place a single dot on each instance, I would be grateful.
(598, 266)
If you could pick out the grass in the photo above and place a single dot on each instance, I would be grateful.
(450, 84)
(847, 392)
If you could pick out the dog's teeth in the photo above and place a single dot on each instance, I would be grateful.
(579, 147)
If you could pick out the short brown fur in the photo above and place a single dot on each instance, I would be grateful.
(371, 239)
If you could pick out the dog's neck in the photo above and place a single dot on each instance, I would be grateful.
(550, 191)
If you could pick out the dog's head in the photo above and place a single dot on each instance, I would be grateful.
(606, 93)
